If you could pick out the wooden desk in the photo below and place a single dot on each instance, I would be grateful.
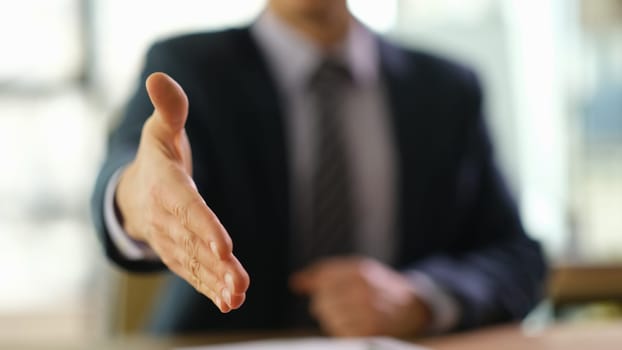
(606, 336)
(580, 283)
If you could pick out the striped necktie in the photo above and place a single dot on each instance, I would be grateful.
(331, 199)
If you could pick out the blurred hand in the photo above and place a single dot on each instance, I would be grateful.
(160, 204)
(361, 297)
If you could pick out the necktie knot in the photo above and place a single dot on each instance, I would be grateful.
(330, 74)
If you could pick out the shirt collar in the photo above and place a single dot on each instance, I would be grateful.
(293, 57)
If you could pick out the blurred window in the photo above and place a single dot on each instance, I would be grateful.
(41, 42)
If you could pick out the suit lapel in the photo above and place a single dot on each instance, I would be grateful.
(266, 124)
(266, 136)
(404, 100)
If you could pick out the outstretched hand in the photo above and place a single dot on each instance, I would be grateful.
(160, 205)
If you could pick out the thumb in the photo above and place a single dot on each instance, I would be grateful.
(170, 103)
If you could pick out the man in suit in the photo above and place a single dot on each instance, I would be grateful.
(349, 182)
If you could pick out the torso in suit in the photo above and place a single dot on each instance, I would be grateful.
(455, 220)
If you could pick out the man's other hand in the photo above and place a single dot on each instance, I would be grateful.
(355, 296)
(160, 205)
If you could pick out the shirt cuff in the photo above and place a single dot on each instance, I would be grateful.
(443, 306)
(128, 247)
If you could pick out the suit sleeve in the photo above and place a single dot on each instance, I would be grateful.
(497, 273)
(121, 149)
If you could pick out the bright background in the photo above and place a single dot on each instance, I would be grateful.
(552, 70)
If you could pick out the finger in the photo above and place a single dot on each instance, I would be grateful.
(302, 283)
(176, 260)
(220, 277)
(237, 300)
(324, 274)
(170, 105)
(308, 279)
(202, 280)
(228, 272)
(236, 279)
(228, 269)
(180, 198)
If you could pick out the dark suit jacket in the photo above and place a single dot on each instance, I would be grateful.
(457, 222)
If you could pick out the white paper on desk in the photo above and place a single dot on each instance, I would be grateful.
(375, 343)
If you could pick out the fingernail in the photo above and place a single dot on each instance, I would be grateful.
(227, 296)
(214, 249)
(229, 281)
(218, 302)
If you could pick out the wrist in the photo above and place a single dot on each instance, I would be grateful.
(123, 205)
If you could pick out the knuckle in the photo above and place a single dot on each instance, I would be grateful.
(181, 211)
(191, 264)
(190, 244)
(184, 211)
